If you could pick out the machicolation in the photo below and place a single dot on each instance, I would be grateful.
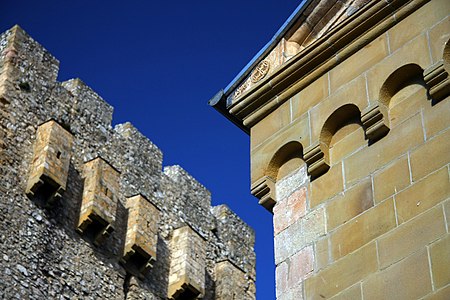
(87, 210)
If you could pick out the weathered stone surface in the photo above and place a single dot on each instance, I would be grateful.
(440, 260)
(411, 236)
(354, 201)
(408, 279)
(391, 179)
(370, 118)
(142, 233)
(423, 195)
(231, 283)
(41, 254)
(187, 264)
(362, 229)
(342, 274)
(50, 166)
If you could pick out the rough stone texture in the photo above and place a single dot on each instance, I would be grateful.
(99, 203)
(41, 254)
(187, 264)
(51, 160)
(231, 282)
(142, 233)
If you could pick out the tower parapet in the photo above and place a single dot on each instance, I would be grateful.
(110, 233)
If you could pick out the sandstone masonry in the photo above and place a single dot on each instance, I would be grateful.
(348, 112)
(87, 212)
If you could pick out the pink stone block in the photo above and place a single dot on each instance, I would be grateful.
(288, 211)
(301, 265)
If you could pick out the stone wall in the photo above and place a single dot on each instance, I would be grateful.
(350, 150)
(42, 254)
(359, 161)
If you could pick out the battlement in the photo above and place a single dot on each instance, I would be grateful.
(99, 200)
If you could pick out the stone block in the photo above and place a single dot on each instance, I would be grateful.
(296, 293)
(346, 141)
(407, 102)
(300, 234)
(327, 185)
(187, 264)
(359, 62)
(408, 279)
(289, 210)
(430, 156)
(440, 262)
(310, 96)
(313, 225)
(291, 183)
(288, 242)
(353, 292)
(417, 23)
(301, 265)
(282, 274)
(142, 233)
(437, 118)
(322, 253)
(377, 155)
(411, 236)
(391, 179)
(99, 203)
(442, 294)
(415, 51)
(275, 121)
(230, 282)
(362, 229)
(51, 159)
(342, 274)
(422, 195)
(353, 92)
(354, 201)
(439, 35)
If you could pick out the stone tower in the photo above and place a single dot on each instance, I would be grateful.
(348, 113)
(88, 212)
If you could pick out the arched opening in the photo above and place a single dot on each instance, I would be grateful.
(343, 121)
(446, 56)
(286, 160)
(402, 93)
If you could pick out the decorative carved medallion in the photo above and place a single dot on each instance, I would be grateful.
(260, 71)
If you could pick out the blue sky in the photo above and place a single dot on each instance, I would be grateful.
(158, 63)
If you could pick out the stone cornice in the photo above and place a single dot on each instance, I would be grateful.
(315, 60)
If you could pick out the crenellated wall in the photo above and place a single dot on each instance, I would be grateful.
(108, 232)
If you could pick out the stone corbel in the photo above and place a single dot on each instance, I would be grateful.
(438, 81)
(373, 123)
(315, 160)
(264, 190)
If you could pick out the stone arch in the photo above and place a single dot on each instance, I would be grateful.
(402, 77)
(344, 115)
(446, 56)
(286, 159)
